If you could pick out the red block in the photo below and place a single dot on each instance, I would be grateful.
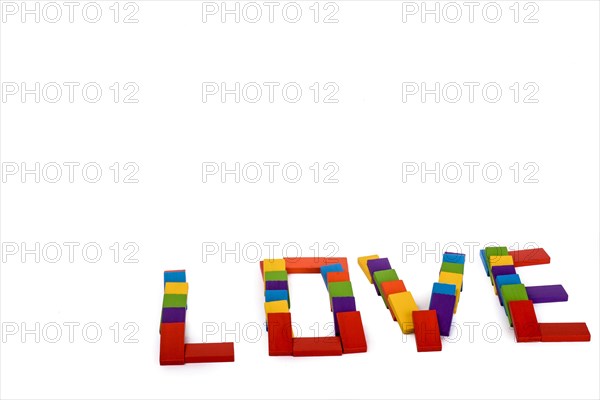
(172, 343)
(209, 352)
(318, 346)
(391, 287)
(427, 330)
(522, 258)
(338, 277)
(280, 334)
(525, 321)
(352, 333)
(312, 265)
(565, 332)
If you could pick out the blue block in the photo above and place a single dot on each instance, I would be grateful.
(512, 279)
(444, 288)
(457, 258)
(484, 261)
(330, 268)
(276, 295)
(174, 276)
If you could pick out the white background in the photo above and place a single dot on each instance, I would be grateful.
(174, 218)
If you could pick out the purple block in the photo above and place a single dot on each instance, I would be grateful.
(173, 315)
(378, 264)
(276, 285)
(443, 304)
(547, 294)
(342, 304)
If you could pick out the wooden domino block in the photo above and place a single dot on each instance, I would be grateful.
(527, 257)
(317, 346)
(209, 352)
(403, 304)
(174, 276)
(362, 263)
(340, 289)
(386, 275)
(312, 265)
(443, 304)
(452, 279)
(280, 306)
(326, 269)
(565, 332)
(276, 295)
(352, 334)
(172, 343)
(512, 293)
(174, 300)
(280, 334)
(338, 276)
(391, 287)
(525, 321)
(176, 288)
(427, 331)
(458, 258)
(270, 265)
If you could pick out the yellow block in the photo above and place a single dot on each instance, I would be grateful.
(176, 288)
(362, 262)
(402, 305)
(453, 279)
(279, 306)
(499, 261)
(277, 264)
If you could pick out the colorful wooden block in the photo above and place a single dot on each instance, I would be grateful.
(452, 279)
(338, 276)
(501, 260)
(173, 315)
(172, 344)
(276, 276)
(512, 293)
(340, 289)
(525, 321)
(527, 257)
(276, 295)
(453, 267)
(174, 276)
(501, 280)
(385, 275)
(390, 287)
(427, 332)
(341, 304)
(484, 261)
(458, 258)
(378, 264)
(176, 288)
(317, 346)
(330, 268)
(501, 270)
(174, 300)
(280, 334)
(352, 334)
(280, 306)
(443, 304)
(362, 263)
(209, 352)
(444, 288)
(276, 285)
(403, 304)
(547, 293)
(565, 332)
(311, 265)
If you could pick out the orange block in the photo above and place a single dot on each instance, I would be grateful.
(312, 265)
(338, 277)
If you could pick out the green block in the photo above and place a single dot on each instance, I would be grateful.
(453, 267)
(385, 275)
(494, 251)
(175, 300)
(276, 276)
(340, 289)
(512, 293)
